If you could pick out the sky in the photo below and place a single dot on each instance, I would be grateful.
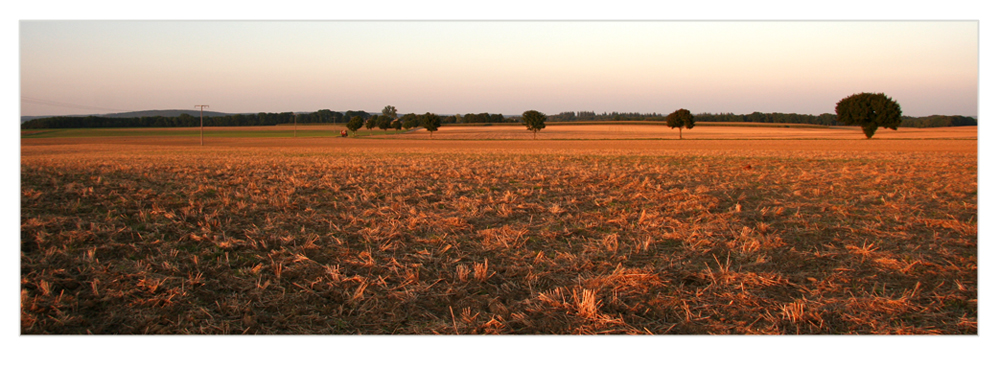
(449, 67)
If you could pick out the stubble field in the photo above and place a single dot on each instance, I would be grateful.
(414, 236)
(704, 131)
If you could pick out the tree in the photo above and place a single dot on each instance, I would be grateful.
(355, 124)
(680, 119)
(371, 122)
(384, 122)
(389, 111)
(534, 120)
(397, 124)
(351, 113)
(869, 111)
(430, 122)
(410, 121)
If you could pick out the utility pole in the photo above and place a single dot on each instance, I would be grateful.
(202, 122)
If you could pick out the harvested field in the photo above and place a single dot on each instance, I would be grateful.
(516, 132)
(303, 130)
(641, 131)
(622, 147)
(373, 236)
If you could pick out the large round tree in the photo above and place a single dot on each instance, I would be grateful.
(430, 122)
(680, 119)
(355, 124)
(389, 111)
(534, 120)
(410, 120)
(384, 122)
(869, 111)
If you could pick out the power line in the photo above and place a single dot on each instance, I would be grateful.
(32, 100)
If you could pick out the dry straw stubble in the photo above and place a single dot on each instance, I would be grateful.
(402, 240)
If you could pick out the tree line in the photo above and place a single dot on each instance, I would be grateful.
(939, 121)
(187, 120)
(476, 118)
(825, 119)
(259, 119)
(755, 117)
(389, 119)
(410, 120)
(585, 116)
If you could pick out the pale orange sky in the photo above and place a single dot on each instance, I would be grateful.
(89, 67)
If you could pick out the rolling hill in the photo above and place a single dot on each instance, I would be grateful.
(136, 114)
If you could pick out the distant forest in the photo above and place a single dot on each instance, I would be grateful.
(235, 120)
(758, 117)
(939, 121)
(329, 116)
(187, 120)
